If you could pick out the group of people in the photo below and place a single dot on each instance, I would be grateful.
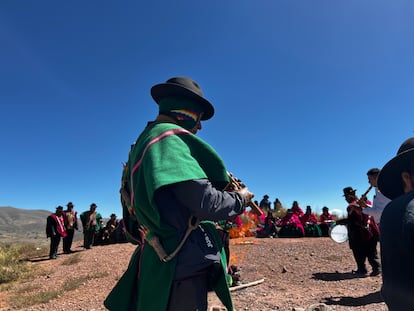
(296, 223)
(389, 220)
(176, 187)
(62, 224)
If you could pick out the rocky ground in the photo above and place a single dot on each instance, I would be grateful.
(294, 274)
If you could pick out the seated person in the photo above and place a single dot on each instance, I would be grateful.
(111, 227)
(296, 209)
(326, 221)
(291, 227)
(101, 236)
(269, 228)
(310, 223)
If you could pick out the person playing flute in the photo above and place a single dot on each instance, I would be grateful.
(176, 184)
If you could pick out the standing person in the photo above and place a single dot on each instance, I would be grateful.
(380, 201)
(363, 234)
(91, 224)
(265, 203)
(175, 180)
(396, 181)
(55, 228)
(71, 224)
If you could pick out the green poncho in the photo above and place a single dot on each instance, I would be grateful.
(171, 155)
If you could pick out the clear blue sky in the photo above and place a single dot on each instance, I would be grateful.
(309, 95)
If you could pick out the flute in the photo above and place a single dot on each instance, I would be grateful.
(239, 185)
(363, 197)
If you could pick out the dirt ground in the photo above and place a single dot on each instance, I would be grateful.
(297, 273)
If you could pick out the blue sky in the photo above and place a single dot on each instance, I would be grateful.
(309, 95)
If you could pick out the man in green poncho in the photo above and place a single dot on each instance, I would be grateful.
(176, 185)
(90, 223)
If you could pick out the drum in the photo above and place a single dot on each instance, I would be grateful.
(339, 233)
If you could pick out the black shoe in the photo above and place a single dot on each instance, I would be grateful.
(53, 257)
(360, 272)
(375, 273)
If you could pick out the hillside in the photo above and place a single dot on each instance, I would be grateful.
(21, 224)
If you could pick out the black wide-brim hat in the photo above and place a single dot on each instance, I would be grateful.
(185, 87)
(389, 179)
(348, 191)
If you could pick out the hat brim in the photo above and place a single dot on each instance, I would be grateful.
(350, 193)
(389, 179)
(162, 90)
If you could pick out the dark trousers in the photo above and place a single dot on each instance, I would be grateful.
(88, 238)
(372, 255)
(366, 250)
(67, 241)
(189, 294)
(54, 245)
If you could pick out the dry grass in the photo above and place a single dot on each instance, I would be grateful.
(13, 260)
(32, 294)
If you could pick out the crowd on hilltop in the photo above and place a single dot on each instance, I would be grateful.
(63, 223)
(276, 222)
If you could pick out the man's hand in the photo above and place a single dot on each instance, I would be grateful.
(248, 196)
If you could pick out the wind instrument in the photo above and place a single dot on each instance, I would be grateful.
(236, 184)
(362, 200)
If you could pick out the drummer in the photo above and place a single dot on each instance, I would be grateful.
(363, 242)
(326, 221)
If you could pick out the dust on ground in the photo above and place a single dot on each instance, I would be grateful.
(297, 273)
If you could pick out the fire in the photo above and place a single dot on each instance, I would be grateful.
(246, 226)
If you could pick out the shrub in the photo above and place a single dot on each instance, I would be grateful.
(12, 260)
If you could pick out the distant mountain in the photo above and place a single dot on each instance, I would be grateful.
(22, 225)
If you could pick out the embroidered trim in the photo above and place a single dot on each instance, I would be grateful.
(153, 141)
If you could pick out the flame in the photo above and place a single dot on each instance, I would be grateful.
(245, 228)
(246, 225)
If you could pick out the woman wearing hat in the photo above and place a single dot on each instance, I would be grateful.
(326, 221)
(291, 226)
(396, 182)
(172, 178)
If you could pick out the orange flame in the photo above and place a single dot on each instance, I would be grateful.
(247, 227)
